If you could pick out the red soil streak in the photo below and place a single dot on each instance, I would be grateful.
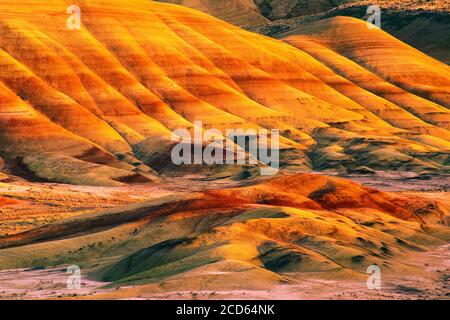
(310, 191)
(8, 202)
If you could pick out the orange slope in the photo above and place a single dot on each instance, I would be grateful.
(384, 55)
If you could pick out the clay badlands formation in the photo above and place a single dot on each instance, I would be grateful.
(96, 107)
(424, 24)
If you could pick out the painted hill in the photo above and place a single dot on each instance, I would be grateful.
(267, 233)
(98, 105)
(423, 24)
(350, 38)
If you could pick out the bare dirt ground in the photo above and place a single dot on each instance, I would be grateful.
(403, 182)
(51, 284)
(42, 284)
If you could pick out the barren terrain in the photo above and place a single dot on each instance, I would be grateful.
(89, 118)
(409, 270)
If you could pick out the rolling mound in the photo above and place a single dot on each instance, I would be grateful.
(247, 13)
(268, 233)
(238, 12)
(98, 105)
(422, 24)
(351, 38)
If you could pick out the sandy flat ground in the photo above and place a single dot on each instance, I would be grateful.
(51, 284)
(41, 284)
(403, 182)
(433, 284)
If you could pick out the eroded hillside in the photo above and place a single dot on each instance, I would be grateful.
(98, 105)
(422, 24)
(257, 237)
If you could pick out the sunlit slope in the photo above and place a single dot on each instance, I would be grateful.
(98, 105)
(292, 224)
(386, 56)
(422, 24)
